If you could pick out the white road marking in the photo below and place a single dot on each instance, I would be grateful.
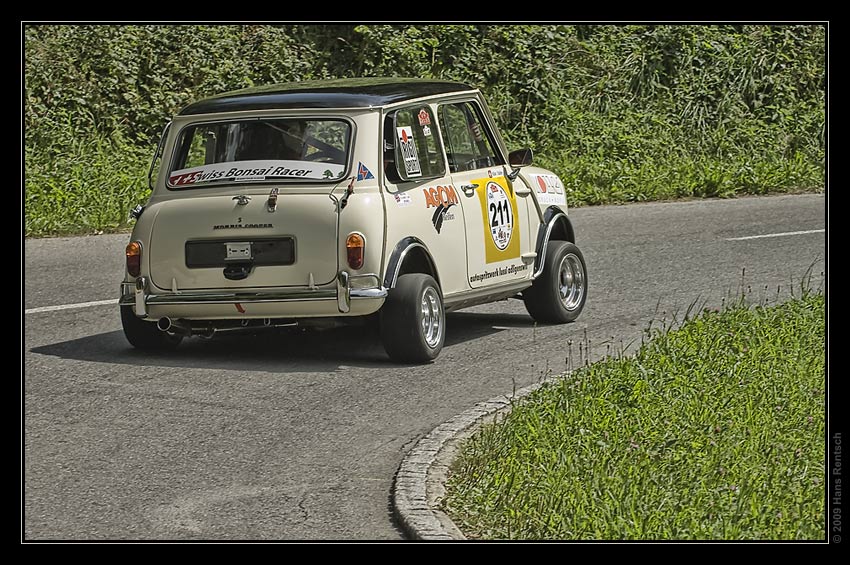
(70, 306)
(774, 235)
(113, 301)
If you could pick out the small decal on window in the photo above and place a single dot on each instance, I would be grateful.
(426, 131)
(408, 151)
(424, 118)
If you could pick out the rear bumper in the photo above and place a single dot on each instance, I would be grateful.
(351, 295)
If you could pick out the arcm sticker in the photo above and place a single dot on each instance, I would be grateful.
(437, 195)
(442, 198)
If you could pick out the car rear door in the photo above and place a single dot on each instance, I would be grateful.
(421, 201)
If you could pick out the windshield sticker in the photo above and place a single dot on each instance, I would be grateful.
(363, 173)
(408, 151)
(426, 131)
(549, 189)
(245, 171)
(424, 118)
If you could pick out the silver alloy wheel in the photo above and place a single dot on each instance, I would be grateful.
(571, 281)
(432, 324)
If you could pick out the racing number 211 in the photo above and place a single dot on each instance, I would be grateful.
(500, 211)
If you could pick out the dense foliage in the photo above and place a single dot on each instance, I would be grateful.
(622, 113)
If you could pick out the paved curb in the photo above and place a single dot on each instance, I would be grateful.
(420, 482)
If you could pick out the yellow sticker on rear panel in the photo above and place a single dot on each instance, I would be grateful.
(501, 223)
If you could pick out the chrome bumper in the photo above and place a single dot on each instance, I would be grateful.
(138, 295)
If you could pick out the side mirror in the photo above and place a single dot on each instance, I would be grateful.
(518, 159)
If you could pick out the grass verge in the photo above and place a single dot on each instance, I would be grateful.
(714, 430)
(83, 185)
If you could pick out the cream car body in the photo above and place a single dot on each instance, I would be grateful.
(420, 209)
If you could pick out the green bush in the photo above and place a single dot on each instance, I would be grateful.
(622, 113)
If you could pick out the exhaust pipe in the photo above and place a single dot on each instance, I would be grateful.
(166, 324)
(206, 332)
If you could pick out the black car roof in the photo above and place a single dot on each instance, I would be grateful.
(333, 93)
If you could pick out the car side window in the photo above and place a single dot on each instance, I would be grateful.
(468, 146)
(412, 148)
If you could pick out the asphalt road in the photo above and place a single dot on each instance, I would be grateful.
(295, 435)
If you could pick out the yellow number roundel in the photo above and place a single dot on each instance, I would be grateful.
(501, 223)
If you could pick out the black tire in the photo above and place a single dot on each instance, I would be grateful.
(145, 335)
(413, 320)
(559, 293)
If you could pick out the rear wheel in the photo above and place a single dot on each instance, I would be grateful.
(413, 320)
(559, 293)
(145, 335)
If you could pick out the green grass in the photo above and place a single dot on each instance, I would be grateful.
(83, 185)
(714, 430)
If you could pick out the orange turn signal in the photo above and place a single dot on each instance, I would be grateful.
(134, 258)
(355, 245)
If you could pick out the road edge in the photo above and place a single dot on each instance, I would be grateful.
(419, 484)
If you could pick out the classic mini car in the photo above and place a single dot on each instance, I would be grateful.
(318, 202)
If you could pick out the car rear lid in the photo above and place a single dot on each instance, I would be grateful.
(243, 241)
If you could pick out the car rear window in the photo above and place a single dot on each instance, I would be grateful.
(258, 150)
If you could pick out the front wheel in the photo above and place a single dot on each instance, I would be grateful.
(145, 335)
(559, 293)
(413, 320)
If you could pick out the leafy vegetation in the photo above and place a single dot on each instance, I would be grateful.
(621, 113)
(714, 430)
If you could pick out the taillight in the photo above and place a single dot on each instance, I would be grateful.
(355, 245)
(134, 258)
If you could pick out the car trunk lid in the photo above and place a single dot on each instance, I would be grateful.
(241, 241)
